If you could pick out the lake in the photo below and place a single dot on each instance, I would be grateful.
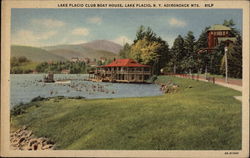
(25, 87)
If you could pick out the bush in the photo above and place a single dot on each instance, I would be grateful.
(37, 99)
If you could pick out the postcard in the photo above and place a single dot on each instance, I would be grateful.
(125, 78)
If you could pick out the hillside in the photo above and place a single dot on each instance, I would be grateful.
(103, 45)
(93, 50)
(69, 51)
(34, 54)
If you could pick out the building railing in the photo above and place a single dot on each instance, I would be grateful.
(123, 72)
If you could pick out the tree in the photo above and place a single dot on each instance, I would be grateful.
(124, 53)
(177, 54)
(14, 62)
(204, 56)
(234, 58)
(145, 51)
(189, 63)
(22, 59)
(156, 50)
(234, 53)
(229, 23)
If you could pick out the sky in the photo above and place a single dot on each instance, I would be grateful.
(44, 27)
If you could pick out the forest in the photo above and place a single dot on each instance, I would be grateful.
(183, 56)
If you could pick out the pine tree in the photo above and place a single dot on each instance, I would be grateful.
(124, 53)
(177, 54)
(189, 63)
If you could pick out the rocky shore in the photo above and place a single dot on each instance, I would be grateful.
(169, 88)
(24, 139)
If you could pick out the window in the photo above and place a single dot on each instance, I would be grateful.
(146, 77)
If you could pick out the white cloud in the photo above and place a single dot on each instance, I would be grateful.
(95, 20)
(27, 37)
(122, 40)
(80, 31)
(49, 23)
(177, 22)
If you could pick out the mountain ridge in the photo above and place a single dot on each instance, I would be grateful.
(92, 50)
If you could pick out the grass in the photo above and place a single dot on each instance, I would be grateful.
(217, 76)
(29, 66)
(200, 116)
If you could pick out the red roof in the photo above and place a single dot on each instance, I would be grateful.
(124, 63)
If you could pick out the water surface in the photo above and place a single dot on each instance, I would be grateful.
(25, 87)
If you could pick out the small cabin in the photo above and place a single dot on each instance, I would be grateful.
(219, 33)
(123, 70)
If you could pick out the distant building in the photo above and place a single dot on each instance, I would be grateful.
(74, 59)
(218, 34)
(123, 70)
(103, 60)
(64, 71)
(92, 63)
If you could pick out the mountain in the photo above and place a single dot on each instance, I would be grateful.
(34, 53)
(93, 50)
(103, 45)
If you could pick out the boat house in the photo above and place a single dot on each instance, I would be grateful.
(123, 70)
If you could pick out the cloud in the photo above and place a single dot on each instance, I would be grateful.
(177, 22)
(95, 20)
(122, 40)
(49, 23)
(80, 31)
(27, 37)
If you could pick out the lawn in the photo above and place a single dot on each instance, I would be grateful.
(199, 116)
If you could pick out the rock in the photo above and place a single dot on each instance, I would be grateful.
(34, 146)
(29, 133)
(21, 140)
(47, 146)
(32, 141)
(40, 140)
(39, 146)
(175, 86)
(24, 127)
(18, 130)
(24, 139)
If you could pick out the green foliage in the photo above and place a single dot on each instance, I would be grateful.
(145, 51)
(124, 53)
(20, 65)
(204, 117)
(149, 49)
(184, 56)
(234, 58)
(176, 55)
(57, 67)
(189, 63)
